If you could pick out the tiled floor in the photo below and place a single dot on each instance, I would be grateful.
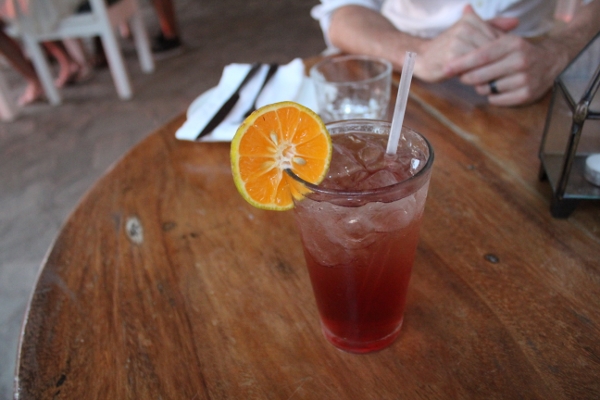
(50, 156)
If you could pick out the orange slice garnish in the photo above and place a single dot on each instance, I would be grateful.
(272, 139)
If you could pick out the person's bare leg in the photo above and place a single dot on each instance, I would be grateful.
(166, 18)
(76, 50)
(99, 58)
(14, 55)
(68, 68)
(168, 41)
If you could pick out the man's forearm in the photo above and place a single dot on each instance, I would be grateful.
(569, 39)
(356, 29)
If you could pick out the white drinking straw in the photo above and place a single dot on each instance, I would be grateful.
(398, 118)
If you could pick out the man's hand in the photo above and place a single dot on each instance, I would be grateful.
(523, 71)
(465, 36)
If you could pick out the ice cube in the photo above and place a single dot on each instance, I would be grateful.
(379, 179)
(372, 157)
(345, 162)
(326, 234)
(399, 214)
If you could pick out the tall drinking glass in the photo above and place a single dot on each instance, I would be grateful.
(360, 229)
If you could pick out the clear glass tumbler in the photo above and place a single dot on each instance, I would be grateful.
(350, 87)
(360, 244)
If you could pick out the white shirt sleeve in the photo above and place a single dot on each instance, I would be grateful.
(323, 12)
(428, 18)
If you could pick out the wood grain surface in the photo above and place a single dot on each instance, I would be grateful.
(165, 284)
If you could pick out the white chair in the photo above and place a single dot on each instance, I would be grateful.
(102, 21)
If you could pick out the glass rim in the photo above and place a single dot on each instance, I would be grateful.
(318, 77)
(367, 192)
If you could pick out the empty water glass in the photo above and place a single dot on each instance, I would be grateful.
(350, 87)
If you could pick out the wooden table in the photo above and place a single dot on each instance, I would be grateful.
(165, 284)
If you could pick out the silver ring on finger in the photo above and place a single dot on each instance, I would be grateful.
(493, 87)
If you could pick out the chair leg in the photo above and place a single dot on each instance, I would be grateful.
(42, 68)
(142, 43)
(7, 107)
(116, 64)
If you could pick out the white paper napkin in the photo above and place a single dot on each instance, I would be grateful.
(289, 83)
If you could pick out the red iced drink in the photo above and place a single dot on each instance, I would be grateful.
(360, 229)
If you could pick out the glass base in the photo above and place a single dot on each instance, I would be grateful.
(361, 347)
